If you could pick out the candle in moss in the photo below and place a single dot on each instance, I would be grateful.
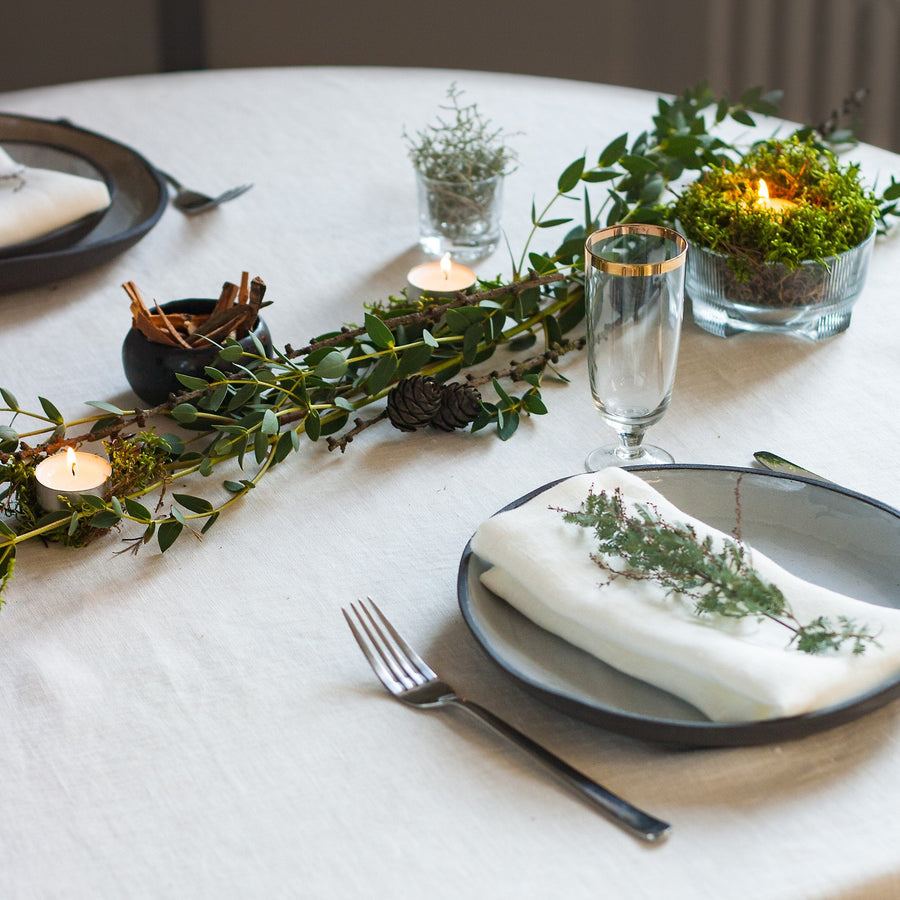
(439, 279)
(70, 475)
(779, 205)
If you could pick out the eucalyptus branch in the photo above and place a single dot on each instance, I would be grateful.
(249, 410)
(430, 313)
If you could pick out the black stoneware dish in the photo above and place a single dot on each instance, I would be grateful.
(151, 368)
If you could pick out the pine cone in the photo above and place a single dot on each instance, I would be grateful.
(460, 405)
(413, 402)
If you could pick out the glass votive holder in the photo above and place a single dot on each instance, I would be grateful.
(459, 217)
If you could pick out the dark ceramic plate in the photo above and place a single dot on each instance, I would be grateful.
(45, 157)
(139, 198)
(823, 533)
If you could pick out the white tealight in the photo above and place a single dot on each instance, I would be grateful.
(70, 474)
(441, 279)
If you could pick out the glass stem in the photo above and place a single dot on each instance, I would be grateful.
(630, 447)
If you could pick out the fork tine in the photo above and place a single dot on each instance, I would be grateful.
(411, 654)
(380, 669)
(380, 654)
(392, 654)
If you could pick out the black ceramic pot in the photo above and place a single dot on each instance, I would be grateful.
(151, 368)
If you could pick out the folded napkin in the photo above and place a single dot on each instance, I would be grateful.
(34, 202)
(733, 670)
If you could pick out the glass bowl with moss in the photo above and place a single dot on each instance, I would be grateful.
(780, 242)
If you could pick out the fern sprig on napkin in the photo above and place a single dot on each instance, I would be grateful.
(641, 546)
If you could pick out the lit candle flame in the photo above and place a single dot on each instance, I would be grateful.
(70, 459)
(763, 191)
(445, 266)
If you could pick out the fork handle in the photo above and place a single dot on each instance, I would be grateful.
(634, 820)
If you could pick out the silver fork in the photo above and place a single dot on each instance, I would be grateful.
(192, 202)
(406, 675)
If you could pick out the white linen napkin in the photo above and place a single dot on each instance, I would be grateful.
(34, 202)
(732, 670)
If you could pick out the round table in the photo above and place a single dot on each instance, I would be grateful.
(201, 724)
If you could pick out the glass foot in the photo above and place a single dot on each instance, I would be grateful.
(647, 455)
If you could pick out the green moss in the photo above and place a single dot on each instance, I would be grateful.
(833, 211)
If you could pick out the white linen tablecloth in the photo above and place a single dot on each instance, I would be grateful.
(201, 724)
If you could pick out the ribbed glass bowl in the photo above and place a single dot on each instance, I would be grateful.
(814, 301)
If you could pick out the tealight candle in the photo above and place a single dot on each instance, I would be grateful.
(776, 204)
(439, 279)
(70, 474)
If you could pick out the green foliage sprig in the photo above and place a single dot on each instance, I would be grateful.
(242, 423)
(643, 547)
(255, 416)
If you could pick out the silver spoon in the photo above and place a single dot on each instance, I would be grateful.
(192, 202)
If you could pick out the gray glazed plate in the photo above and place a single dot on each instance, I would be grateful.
(823, 533)
(139, 197)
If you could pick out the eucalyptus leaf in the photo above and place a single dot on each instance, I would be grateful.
(106, 518)
(90, 502)
(413, 358)
(507, 428)
(167, 534)
(53, 518)
(106, 407)
(194, 504)
(382, 373)
(269, 424)
(214, 400)
(209, 523)
(231, 352)
(571, 176)
(379, 333)
(192, 382)
(185, 413)
(283, 448)
(174, 443)
(9, 399)
(332, 365)
(534, 404)
(313, 425)
(51, 411)
(136, 510)
(613, 151)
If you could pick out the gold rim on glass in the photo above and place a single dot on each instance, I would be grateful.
(637, 269)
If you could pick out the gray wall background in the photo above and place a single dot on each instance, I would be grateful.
(818, 51)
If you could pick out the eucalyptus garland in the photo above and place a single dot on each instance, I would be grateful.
(251, 412)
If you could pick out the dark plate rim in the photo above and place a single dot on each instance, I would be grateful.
(88, 251)
(673, 731)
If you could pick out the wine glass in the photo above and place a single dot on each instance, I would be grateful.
(634, 291)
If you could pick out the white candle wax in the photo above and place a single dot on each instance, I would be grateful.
(439, 279)
(775, 204)
(71, 475)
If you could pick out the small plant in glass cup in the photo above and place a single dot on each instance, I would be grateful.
(460, 164)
